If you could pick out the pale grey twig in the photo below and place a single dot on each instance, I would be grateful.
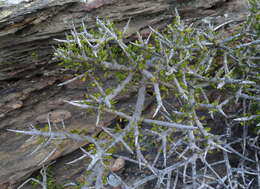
(73, 79)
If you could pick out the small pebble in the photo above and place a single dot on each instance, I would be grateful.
(113, 181)
(118, 164)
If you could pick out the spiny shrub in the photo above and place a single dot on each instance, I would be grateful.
(205, 87)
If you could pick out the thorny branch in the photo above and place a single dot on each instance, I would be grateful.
(183, 66)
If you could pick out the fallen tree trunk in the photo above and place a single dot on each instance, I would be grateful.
(29, 77)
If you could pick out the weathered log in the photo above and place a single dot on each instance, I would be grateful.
(29, 76)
